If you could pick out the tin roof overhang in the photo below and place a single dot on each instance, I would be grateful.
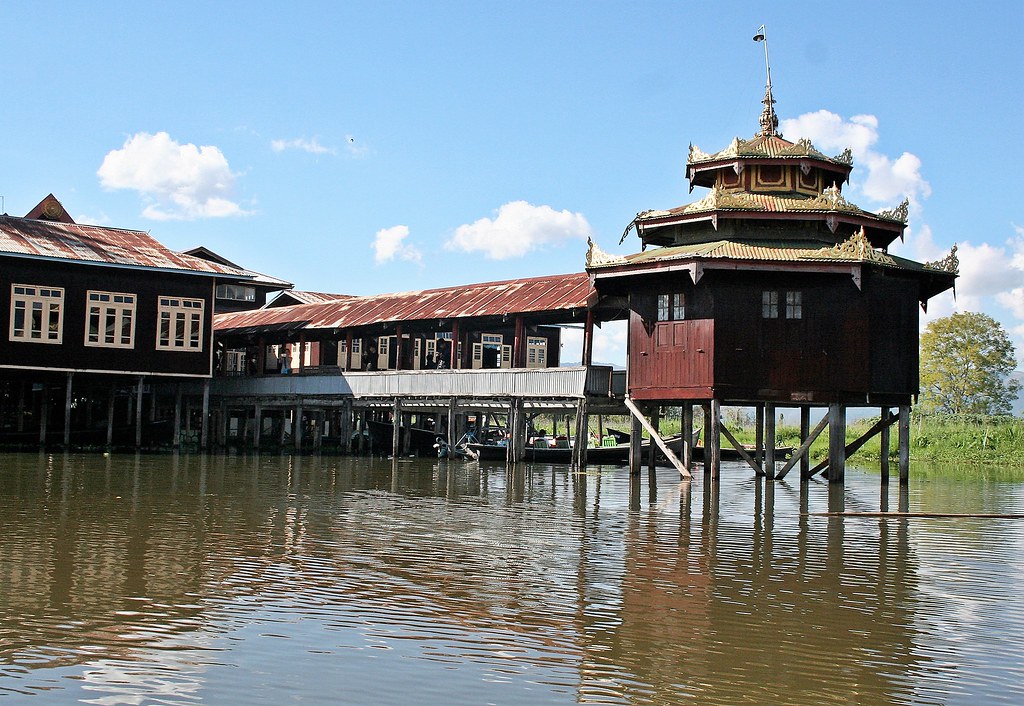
(561, 294)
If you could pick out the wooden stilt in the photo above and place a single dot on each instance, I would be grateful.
(638, 418)
(855, 445)
(257, 429)
(297, 426)
(21, 406)
(318, 428)
(904, 441)
(713, 440)
(345, 427)
(396, 428)
(44, 414)
(512, 425)
(111, 399)
(453, 404)
(759, 432)
(883, 454)
(204, 433)
(176, 440)
(67, 411)
(769, 440)
(635, 444)
(751, 461)
(800, 454)
(406, 420)
(687, 437)
(652, 454)
(361, 429)
(579, 451)
(805, 426)
(138, 413)
(836, 443)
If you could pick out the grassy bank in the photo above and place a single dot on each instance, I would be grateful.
(960, 441)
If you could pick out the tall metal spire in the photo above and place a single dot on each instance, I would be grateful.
(769, 120)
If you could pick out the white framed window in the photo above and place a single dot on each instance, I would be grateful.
(536, 352)
(110, 319)
(179, 324)
(235, 363)
(493, 339)
(769, 304)
(794, 305)
(236, 292)
(37, 314)
(671, 307)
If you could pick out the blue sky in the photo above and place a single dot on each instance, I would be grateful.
(373, 147)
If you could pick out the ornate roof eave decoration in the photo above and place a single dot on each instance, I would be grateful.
(844, 157)
(831, 199)
(596, 257)
(900, 214)
(856, 247)
(950, 263)
(756, 148)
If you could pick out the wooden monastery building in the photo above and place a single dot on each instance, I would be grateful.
(92, 316)
(772, 290)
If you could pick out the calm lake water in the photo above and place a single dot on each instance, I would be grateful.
(279, 580)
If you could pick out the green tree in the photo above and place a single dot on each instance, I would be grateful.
(966, 363)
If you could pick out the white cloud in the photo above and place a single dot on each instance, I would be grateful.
(518, 228)
(886, 179)
(177, 181)
(312, 146)
(388, 244)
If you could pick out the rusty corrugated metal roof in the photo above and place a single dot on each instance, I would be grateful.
(521, 296)
(99, 244)
(302, 297)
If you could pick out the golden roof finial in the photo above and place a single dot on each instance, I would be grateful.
(769, 120)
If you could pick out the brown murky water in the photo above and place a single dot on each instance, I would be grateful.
(279, 579)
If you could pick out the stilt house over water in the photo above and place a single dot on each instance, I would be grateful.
(92, 316)
(773, 290)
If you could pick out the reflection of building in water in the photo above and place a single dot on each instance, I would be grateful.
(536, 571)
(759, 615)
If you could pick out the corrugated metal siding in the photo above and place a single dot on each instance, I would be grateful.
(537, 294)
(549, 382)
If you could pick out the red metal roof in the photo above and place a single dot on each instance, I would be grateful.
(100, 245)
(521, 296)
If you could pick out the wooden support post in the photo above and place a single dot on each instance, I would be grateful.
(904, 441)
(805, 426)
(396, 428)
(713, 440)
(883, 442)
(453, 405)
(205, 421)
(44, 414)
(588, 338)
(636, 439)
(21, 406)
(406, 420)
(655, 439)
(222, 424)
(519, 344)
(751, 461)
(836, 443)
(110, 416)
(454, 362)
(800, 455)
(176, 441)
(759, 432)
(579, 447)
(687, 436)
(652, 450)
(297, 426)
(345, 427)
(769, 440)
(510, 432)
(302, 352)
(67, 411)
(138, 413)
(283, 431)
(520, 429)
(361, 431)
(257, 430)
(318, 428)
(261, 356)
